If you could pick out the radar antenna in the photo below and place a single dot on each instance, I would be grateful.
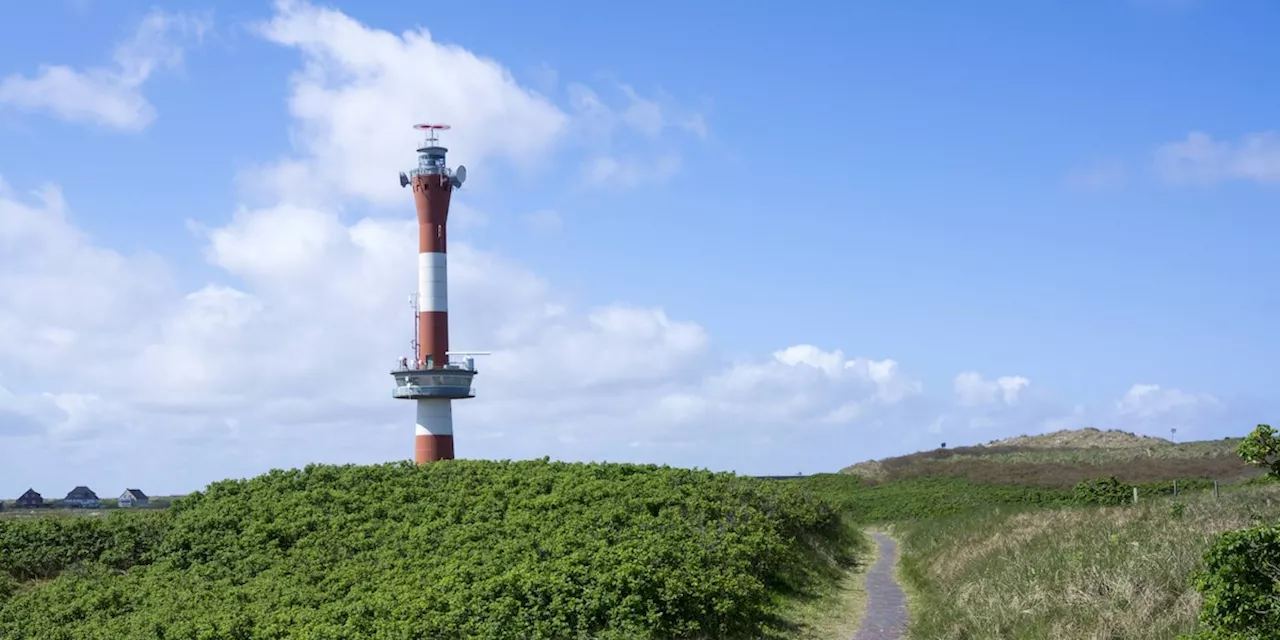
(431, 159)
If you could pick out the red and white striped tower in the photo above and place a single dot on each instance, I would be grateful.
(430, 378)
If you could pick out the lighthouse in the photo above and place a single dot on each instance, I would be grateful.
(434, 376)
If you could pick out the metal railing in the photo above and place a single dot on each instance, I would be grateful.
(466, 364)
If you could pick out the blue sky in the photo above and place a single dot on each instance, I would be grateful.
(951, 187)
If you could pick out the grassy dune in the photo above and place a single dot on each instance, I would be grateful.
(1096, 573)
(1061, 460)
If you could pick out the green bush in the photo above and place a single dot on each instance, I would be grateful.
(42, 548)
(1261, 448)
(1241, 586)
(1108, 491)
(455, 549)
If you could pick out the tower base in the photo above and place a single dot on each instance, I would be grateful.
(428, 448)
(433, 433)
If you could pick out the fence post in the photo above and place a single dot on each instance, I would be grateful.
(1175, 488)
(1215, 489)
(1135, 495)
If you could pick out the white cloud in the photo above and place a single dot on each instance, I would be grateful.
(1201, 160)
(301, 349)
(647, 116)
(1145, 401)
(805, 384)
(973, 390)
(26, 415)
(360, 89)
(110, 96)
(651, 162)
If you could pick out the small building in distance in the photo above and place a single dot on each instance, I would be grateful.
(134, 498)
(83, 497)
(30, 500)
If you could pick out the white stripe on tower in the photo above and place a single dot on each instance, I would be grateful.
(433, 281)
(433, 433)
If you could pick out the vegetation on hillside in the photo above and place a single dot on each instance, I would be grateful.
(457, 549)
(1202, 565)
(1026, 541)
(921, 498)
(1113, 572)
(865, 502)
(1087, 438)
(1048, 463)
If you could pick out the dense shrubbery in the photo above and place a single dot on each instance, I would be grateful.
(42, 548)
(1108, 491)
(1261, 448)
(450, 550)
(1241, 586)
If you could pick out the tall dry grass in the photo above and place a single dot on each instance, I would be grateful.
(1083, 573)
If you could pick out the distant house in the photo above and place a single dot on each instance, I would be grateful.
(82, 496)
(134, 498)
(30, 500)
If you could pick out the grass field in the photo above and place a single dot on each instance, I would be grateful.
(1067, 573)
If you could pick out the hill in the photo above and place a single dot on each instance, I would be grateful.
(1062, 459)
(1087, 438)
(455, 549)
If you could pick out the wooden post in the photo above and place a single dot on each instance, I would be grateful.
(1175, 488)
(1135, 495)
(1215, 489)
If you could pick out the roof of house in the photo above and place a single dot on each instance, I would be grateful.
(31, 493)
(82, 493)
(136, 494)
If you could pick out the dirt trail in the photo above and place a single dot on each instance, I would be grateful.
(886, 616)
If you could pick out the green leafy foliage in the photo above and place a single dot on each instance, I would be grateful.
(1108, 491)
(42, 548)
(457, 549)
(1261, 448)
(1241, 586)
